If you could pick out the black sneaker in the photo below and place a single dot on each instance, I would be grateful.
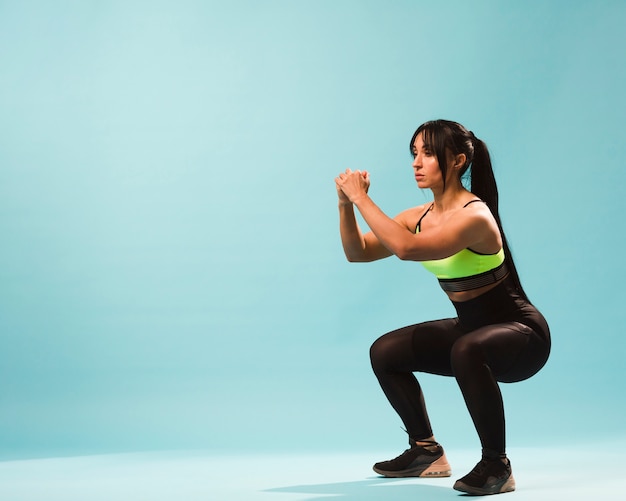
(418, 461)
(489, 476)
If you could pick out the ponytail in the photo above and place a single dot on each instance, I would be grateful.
(483, 182)
(483, 185)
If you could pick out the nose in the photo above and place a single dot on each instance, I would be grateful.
(417, 162)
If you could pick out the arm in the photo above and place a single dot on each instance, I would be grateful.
(464, 230)
(356, 246)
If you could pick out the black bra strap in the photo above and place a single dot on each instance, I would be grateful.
(417, 226)
(472, 201)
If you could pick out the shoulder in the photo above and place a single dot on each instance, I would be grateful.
(478, 224)
(411, 216)
(414, 212)
(475, 211)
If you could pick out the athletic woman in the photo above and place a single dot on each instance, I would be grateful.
(497, 335)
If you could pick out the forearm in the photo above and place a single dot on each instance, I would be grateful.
(351, 236)
(392, 235)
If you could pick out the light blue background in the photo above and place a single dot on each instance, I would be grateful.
(170, 269)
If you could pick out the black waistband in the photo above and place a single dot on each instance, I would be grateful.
(475, 281)
(502, 303)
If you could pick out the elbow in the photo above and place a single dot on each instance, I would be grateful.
(401, 252)
(355, 255)
(350, 257)
(405, 254)
(355, 259)
(358, 256)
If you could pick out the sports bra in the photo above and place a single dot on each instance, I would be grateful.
(467, 269)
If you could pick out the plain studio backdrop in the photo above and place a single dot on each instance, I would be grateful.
(171, 275)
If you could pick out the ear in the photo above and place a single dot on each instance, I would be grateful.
(459, 161)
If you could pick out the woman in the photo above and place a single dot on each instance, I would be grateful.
(497, 336)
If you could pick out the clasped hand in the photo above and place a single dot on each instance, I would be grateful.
(352, 184)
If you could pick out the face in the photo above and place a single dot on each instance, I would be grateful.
(425, 165)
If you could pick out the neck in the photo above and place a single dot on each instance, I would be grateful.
(450, 197)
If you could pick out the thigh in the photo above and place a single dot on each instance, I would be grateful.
(424, 347)
(512, 350)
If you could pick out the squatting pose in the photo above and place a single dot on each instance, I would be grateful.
(497, 336)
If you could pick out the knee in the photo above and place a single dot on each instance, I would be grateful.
(381, 353)
(377, 354)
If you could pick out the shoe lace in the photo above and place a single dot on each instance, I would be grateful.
(425, 449)
(480, 468)
(404, 453)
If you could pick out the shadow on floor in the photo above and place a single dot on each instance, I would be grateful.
(373, 489)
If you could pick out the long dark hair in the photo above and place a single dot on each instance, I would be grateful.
(444, 137)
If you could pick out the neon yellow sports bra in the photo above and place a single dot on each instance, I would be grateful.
(467, 269)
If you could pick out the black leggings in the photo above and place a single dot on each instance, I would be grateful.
(497, 337)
